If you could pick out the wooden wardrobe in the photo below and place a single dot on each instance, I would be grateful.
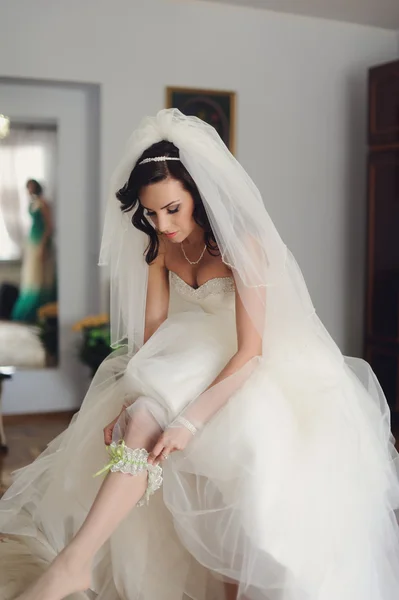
(382, 307)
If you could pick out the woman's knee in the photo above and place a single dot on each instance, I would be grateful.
(141, 430)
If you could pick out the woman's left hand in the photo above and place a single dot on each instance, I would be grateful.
(173, 439)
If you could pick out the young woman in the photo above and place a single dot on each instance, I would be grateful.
(278, 466)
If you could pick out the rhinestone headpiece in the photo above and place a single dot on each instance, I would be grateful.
(158, 159)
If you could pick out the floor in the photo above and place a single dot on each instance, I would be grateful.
(27, 437)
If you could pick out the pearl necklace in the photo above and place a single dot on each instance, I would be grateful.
(196, 261)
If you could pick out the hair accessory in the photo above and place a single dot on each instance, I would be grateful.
(158, 159)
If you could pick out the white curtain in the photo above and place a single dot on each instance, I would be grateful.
(24, 154)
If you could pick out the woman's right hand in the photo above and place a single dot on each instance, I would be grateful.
(108, 429)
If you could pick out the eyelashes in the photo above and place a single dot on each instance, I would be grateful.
(170, 212)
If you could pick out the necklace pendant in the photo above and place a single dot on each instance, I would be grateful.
(188, 260)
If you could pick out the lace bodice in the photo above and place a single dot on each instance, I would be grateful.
(213, 295)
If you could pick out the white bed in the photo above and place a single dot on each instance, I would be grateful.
(20, 346)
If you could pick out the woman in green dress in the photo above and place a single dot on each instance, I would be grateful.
(38, 268)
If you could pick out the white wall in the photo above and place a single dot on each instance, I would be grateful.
(77, 226)
(301, 118)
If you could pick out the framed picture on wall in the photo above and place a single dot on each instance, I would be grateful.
(214, 107)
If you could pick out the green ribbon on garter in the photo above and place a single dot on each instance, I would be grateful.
(134, 462)
(117, 453)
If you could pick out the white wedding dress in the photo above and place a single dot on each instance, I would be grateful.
(290, 488)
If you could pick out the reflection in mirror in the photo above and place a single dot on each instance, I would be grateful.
(28, 309)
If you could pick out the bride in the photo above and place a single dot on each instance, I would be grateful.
(246, 457)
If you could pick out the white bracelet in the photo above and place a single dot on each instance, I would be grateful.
(187, 424)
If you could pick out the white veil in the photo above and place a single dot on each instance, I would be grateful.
(246, 236)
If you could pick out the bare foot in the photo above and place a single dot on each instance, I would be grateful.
(66, 574)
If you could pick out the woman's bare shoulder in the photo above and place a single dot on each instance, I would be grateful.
(160, 260)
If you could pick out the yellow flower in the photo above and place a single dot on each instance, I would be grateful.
(91, 321)
(48, 310)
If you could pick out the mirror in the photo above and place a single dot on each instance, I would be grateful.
(28, 282)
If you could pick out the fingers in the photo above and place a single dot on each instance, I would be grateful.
(168, 442)
(108, 430)
(108, 433)
(165, 453)
(107, 436)
(154, 456)
(161, 451)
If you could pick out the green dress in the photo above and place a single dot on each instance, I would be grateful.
(38, 286)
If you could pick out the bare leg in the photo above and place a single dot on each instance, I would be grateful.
(70, 571)
(230, 591)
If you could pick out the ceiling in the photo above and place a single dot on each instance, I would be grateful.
(378, 13)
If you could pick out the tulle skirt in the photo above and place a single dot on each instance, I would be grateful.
(290, 491)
